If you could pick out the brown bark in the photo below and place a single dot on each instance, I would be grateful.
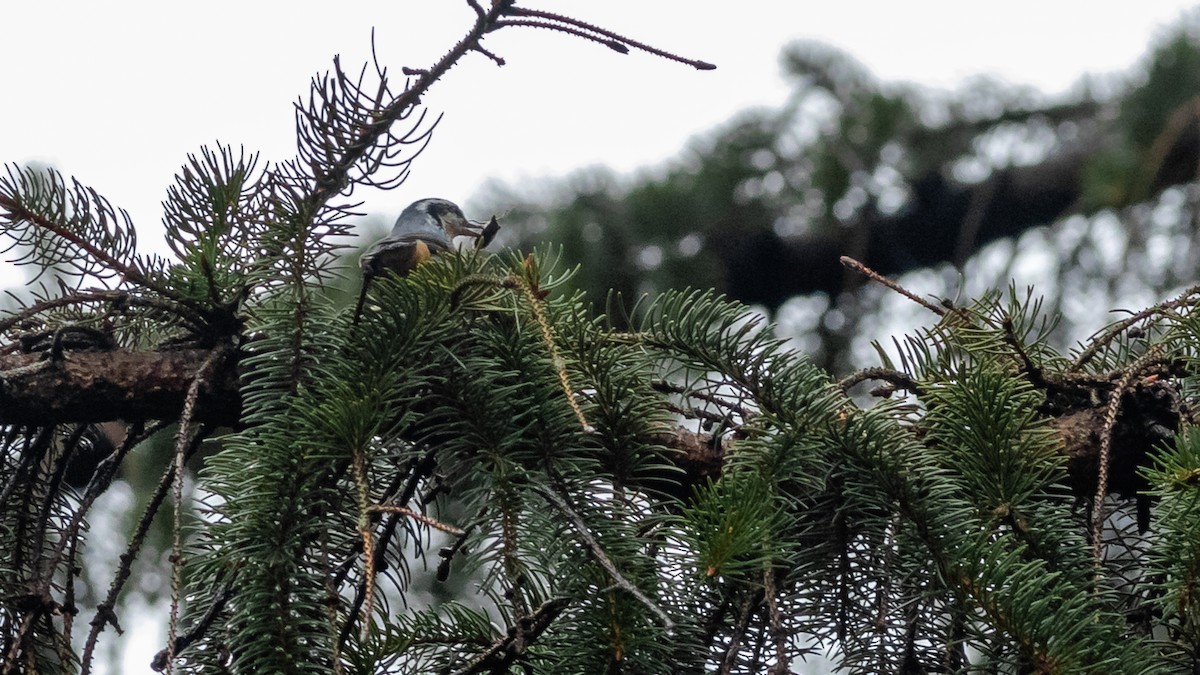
(86, 387)
(92, 387)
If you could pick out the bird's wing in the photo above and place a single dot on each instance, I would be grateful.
(402, 254)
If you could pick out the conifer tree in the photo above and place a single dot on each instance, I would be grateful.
(670, 491)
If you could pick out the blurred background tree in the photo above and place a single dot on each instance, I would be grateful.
(1086, 194)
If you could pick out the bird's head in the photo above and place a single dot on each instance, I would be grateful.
(441, 214)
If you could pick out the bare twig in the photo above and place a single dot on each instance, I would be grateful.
(597, 30)
(894, 377)
(102, 477)
(779, 634)
(1116, 329)
(162, 658)
(880, 279)
(534, 297)
(729, 662)
(183, 440)
(708, 397)
(1036, 375)
(419, 517)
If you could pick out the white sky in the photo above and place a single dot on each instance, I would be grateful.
(117, 93)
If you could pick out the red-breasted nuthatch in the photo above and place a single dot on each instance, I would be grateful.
(427, 227)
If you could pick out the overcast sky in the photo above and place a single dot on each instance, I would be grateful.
(117, 93)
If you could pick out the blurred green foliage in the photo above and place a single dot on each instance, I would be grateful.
(896, 174)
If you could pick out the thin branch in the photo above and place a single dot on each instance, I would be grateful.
(106, 611)
(1111, 413)
(1116, 329)
(511, 648)
(880, 279)
(779, 634)
(162, 658)
(419, 517)
(328, 184)
(419, 471)
(18, 211)
(611, 44)
(499, 61)
(183, 440)
(590, 28)
(893, 377)
(707, 418)
(692, 392)
(1036, 376)
(585, 534)
(729, 662)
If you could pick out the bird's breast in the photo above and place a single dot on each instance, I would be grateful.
(421, 252)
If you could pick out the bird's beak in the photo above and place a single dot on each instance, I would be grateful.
(460, 227)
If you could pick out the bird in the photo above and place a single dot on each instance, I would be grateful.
(425, 228)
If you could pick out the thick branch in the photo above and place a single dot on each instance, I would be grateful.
(38, 390)
(944, 221)
(101, 386)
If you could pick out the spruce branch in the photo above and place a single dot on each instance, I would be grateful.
(76, 227)
(183, 440)
(584, 532)
(401, 492)
(526, 285)
(58, 220)
(255, 249)
(333, 146)
(534, 296)
(1111, 412)
(512, 648)
(106, 611)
